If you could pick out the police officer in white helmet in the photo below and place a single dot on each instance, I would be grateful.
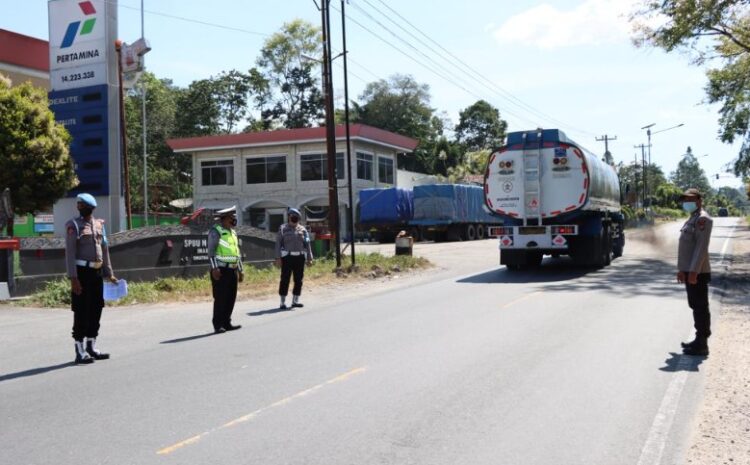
(226, 268)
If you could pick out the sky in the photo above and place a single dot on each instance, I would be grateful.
(566, 64)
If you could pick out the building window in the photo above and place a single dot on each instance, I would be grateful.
(265, 170)
(255, 217)
(364, 166)
(217, 173)
(314, 167)
(385, 170)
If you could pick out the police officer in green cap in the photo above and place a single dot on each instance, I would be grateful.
(226, 268)
(87, 262)
(694, 268)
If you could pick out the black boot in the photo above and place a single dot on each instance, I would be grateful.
(91, 349)
(700, 347)
(685, 345)
(82, 357)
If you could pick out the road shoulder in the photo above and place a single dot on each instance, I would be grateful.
(721, 434)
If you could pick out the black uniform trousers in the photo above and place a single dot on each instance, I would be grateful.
(697, 295)
(225, 293)
(292, 264)
(87, 307)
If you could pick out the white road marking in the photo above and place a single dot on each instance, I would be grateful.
(653, 450)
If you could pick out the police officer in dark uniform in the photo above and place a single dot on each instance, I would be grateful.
(292, 251)
(694, 268)
(226, 268)
(87, 261)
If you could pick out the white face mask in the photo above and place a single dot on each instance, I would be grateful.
(689, 207)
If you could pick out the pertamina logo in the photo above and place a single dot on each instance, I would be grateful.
(73, 28)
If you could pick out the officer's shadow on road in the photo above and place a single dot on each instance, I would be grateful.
(679, 362)
(35, 371)
(188, 338)
(270, 311)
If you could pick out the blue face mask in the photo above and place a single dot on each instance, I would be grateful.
(689, 207)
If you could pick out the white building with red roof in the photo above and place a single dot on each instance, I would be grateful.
(265, 173)
(24, 58)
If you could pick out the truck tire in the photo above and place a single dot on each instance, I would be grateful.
(454, 233)
(619, 243)
(470, 232)
(534, 259)
(481, 232)
(606, 245)
(416, 233)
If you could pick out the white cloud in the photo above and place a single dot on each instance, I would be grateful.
(592, 22)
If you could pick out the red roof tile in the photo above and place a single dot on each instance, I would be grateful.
(24, 51)
(291, 136)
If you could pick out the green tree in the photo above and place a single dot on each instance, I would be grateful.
(402, 105)
(715, 32)
(35, 160)
(398, 104)
(198, 112)
(480, 127)
(292, 88)
(168, 173)
(231, 93)
(668, 196)
(472, 163)
(690, 174)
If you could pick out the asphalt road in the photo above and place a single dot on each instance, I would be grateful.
(467, 364)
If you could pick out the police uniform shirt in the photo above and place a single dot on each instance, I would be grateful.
(293, 239)
(695, 235)
(86, 240)
(212, 243)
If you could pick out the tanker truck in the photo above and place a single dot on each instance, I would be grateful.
(556, 198)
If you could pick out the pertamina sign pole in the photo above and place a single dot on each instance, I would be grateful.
(84, 96)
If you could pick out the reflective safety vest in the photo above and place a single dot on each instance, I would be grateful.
(228, 250)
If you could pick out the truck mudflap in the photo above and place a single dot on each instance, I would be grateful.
(547, 237)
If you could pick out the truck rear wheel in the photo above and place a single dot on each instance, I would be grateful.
(454, 233)
(619, 242)
(481, 232)
(470, 232)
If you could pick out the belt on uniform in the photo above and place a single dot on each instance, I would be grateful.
(293, 254)
(227, 265)
(89, 264)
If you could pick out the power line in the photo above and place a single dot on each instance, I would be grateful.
(507, 95)
(429, 68)
(190, 20)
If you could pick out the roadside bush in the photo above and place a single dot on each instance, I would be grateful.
(259, 280)
(669, 213)
(55, 294)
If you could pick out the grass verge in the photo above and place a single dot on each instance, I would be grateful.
(257, 282)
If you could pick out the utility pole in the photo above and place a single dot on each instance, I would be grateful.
(350, 186)
(143, 124)
(606, 138)
(644, 175)
(333, 194)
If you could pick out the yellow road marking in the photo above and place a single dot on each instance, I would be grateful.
(251, 415)
(519, 299)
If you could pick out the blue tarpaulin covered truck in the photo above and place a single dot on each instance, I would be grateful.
(386, 211)
(437, 212)
(451, 212)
